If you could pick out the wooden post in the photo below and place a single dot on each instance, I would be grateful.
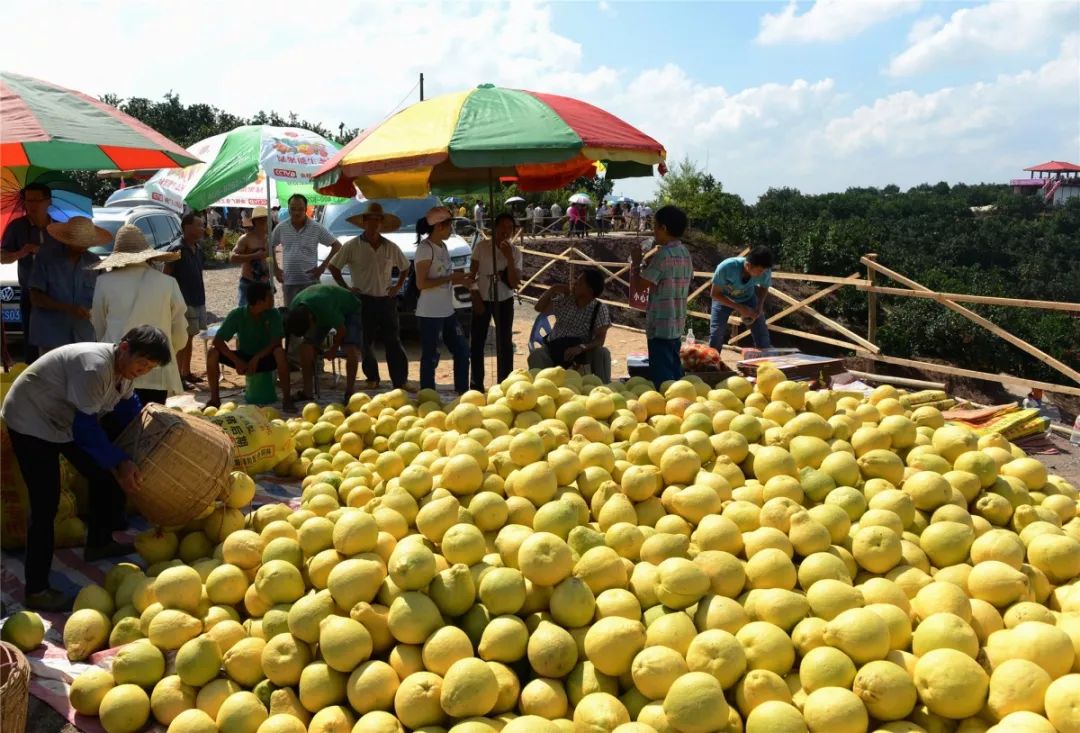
(871, 304)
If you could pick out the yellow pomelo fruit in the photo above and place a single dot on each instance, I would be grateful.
(950, 683)
(24, 629)
(124, 709)
(85, 632)
(138, 663)
(88, 689)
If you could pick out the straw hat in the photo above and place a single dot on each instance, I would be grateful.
(390, 223)
(78, 231)
(438, 214)
(131, 248)
(259, 212)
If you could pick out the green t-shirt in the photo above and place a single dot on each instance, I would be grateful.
(329, 304)
(253, 334)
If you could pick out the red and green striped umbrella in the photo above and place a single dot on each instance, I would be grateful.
(48, 126)
(458, 142)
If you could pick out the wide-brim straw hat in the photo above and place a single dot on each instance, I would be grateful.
(259, 212)
(131, 248)
(390, 223)
(79, 231)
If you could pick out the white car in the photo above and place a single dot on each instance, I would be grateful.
(334, 218)
(9, 300)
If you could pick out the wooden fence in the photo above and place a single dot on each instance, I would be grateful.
(840, 336)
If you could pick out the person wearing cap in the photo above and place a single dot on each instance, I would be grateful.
(132, 291)
(435, 278)
(23, 237)
(372, 260)
(251, 252)
(73, 402)
(497, 277)
(62, 284)
(315, 311)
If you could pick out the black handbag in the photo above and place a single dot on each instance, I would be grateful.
(557, 347)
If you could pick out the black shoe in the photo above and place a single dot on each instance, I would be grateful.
(109, 549)
(49, 599)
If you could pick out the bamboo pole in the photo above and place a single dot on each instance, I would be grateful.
(537, 274)
(976, 318)
(871, 304)
(986, 376)
(839, 328)
(962, 298)
(792, 309)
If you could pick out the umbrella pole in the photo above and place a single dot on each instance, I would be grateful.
(494, 275)
(269, 230)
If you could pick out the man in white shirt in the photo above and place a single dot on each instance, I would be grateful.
(296, 242)
(478, 216)
(372, 259)
(556, 214)
(538, 220)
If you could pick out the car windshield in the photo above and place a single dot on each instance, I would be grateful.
(409, 211)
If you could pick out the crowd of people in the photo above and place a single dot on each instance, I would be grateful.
(71, 295)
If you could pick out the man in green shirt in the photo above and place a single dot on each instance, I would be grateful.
(314, 312)
(258, 331)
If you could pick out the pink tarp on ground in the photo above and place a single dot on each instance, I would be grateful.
(51, 672)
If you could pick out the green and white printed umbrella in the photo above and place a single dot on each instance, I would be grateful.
(238, 165)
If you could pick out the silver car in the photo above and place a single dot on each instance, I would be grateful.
(159, 225)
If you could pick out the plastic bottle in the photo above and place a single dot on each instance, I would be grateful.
(690, 335)
(1075, 437)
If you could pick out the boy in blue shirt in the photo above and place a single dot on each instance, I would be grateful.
(741, 284)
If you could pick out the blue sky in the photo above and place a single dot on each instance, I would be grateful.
(820, 95)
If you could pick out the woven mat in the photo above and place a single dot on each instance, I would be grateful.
(1038, 445)
(51, 673)
(977, 415)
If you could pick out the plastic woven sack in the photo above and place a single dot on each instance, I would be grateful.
(260, 445)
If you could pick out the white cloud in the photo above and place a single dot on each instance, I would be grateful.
(972, 35)
(829, 20)
(977, 119)
(354, 63)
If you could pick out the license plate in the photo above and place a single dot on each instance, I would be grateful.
(12, 315)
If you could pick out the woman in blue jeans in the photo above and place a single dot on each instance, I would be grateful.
(741, 285)
(435, 278)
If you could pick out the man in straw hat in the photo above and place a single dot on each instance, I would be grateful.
(372, 259)
(258, 329)
(251, 252)
(62, 284)
(73, 401)
(130, 292)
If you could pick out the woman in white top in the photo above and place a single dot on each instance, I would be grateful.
(493, 295)
(135, 293)
(435, 278)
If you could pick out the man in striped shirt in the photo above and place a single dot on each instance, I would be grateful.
(296, 246)
(667, 276)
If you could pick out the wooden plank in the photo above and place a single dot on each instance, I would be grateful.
(816, 337)
(816, 278)
(871, 304)
(791, 309)
(902, 381)
(543, 267)
(963, 298)
(976, 318)
(839, 328)
(603, 266)
(958, 372)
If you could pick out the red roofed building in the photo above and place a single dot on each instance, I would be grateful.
(1056, 181)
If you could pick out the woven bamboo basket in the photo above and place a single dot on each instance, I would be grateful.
(184, 461)
(14, 688)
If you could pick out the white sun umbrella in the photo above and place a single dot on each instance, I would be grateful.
(580, 198)
(514, 200)
(253, 165)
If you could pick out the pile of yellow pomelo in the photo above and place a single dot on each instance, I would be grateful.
(560, 555)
